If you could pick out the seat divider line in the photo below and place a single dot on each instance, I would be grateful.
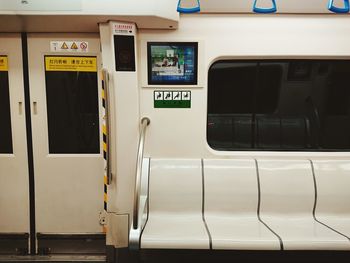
(203, 205)
(315, 204)
(259, 205)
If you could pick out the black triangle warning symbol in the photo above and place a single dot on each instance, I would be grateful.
(74, 46)
(64, 46)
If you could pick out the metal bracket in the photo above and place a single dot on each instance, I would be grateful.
(103, 218)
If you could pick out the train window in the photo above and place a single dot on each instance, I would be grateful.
(5, 113)
(72, 105)
(280, 105)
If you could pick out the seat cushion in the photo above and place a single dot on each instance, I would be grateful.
(333, 194)
(231, 203)
(175, 219)
(171, 231)
(287, 202)
(304, 233)
(241, 232)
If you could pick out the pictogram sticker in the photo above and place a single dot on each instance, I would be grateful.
(186, 95)
(69, 46)
(74, 46)
(83, 45)
(64, 46)
(158, 95)
(172, 99)
(168, 95)
(177, 95)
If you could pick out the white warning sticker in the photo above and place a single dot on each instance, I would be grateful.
(69, 46)
(123, 29)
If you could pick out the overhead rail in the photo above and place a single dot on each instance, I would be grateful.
(272, 6)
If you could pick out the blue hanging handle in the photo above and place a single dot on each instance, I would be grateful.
(338, 10)
(273, 9)
(188, 10)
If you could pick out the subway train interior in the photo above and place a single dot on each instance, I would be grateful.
(174, 131)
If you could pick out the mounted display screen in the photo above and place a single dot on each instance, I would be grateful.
(172, 63)
(124, 49)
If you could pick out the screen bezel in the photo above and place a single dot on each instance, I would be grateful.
(167, 82)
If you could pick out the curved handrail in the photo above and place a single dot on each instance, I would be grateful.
(144, 123)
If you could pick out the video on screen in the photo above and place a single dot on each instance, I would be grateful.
(172, 63)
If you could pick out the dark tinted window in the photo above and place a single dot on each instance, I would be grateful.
(72, 108)
(226, 98)
(5, 117)
(279, 105)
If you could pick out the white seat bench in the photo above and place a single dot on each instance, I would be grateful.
(247, 205)
(175, 206)
(287, 203)
(333, 194)
(231, 204)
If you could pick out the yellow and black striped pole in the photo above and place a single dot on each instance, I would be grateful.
(105, 145)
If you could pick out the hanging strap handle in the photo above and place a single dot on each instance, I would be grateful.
(260, 10)
(188, 10)
(338, 10)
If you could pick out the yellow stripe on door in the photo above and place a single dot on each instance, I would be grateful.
(81, 64)
(4, 63)
(105, 180)
(103, 94)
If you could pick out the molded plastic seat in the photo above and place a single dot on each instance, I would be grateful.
(287, 201)
(333, 194)
(175, 218)
(231, 203)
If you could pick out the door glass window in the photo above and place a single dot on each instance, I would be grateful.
(5, 112)
(72, 104)
(279, 105)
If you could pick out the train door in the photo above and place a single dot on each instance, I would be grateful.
(66, 115)
(14, 183)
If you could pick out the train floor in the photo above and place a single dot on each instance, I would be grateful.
(54, 258)
(245, 256)
(194, 256)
